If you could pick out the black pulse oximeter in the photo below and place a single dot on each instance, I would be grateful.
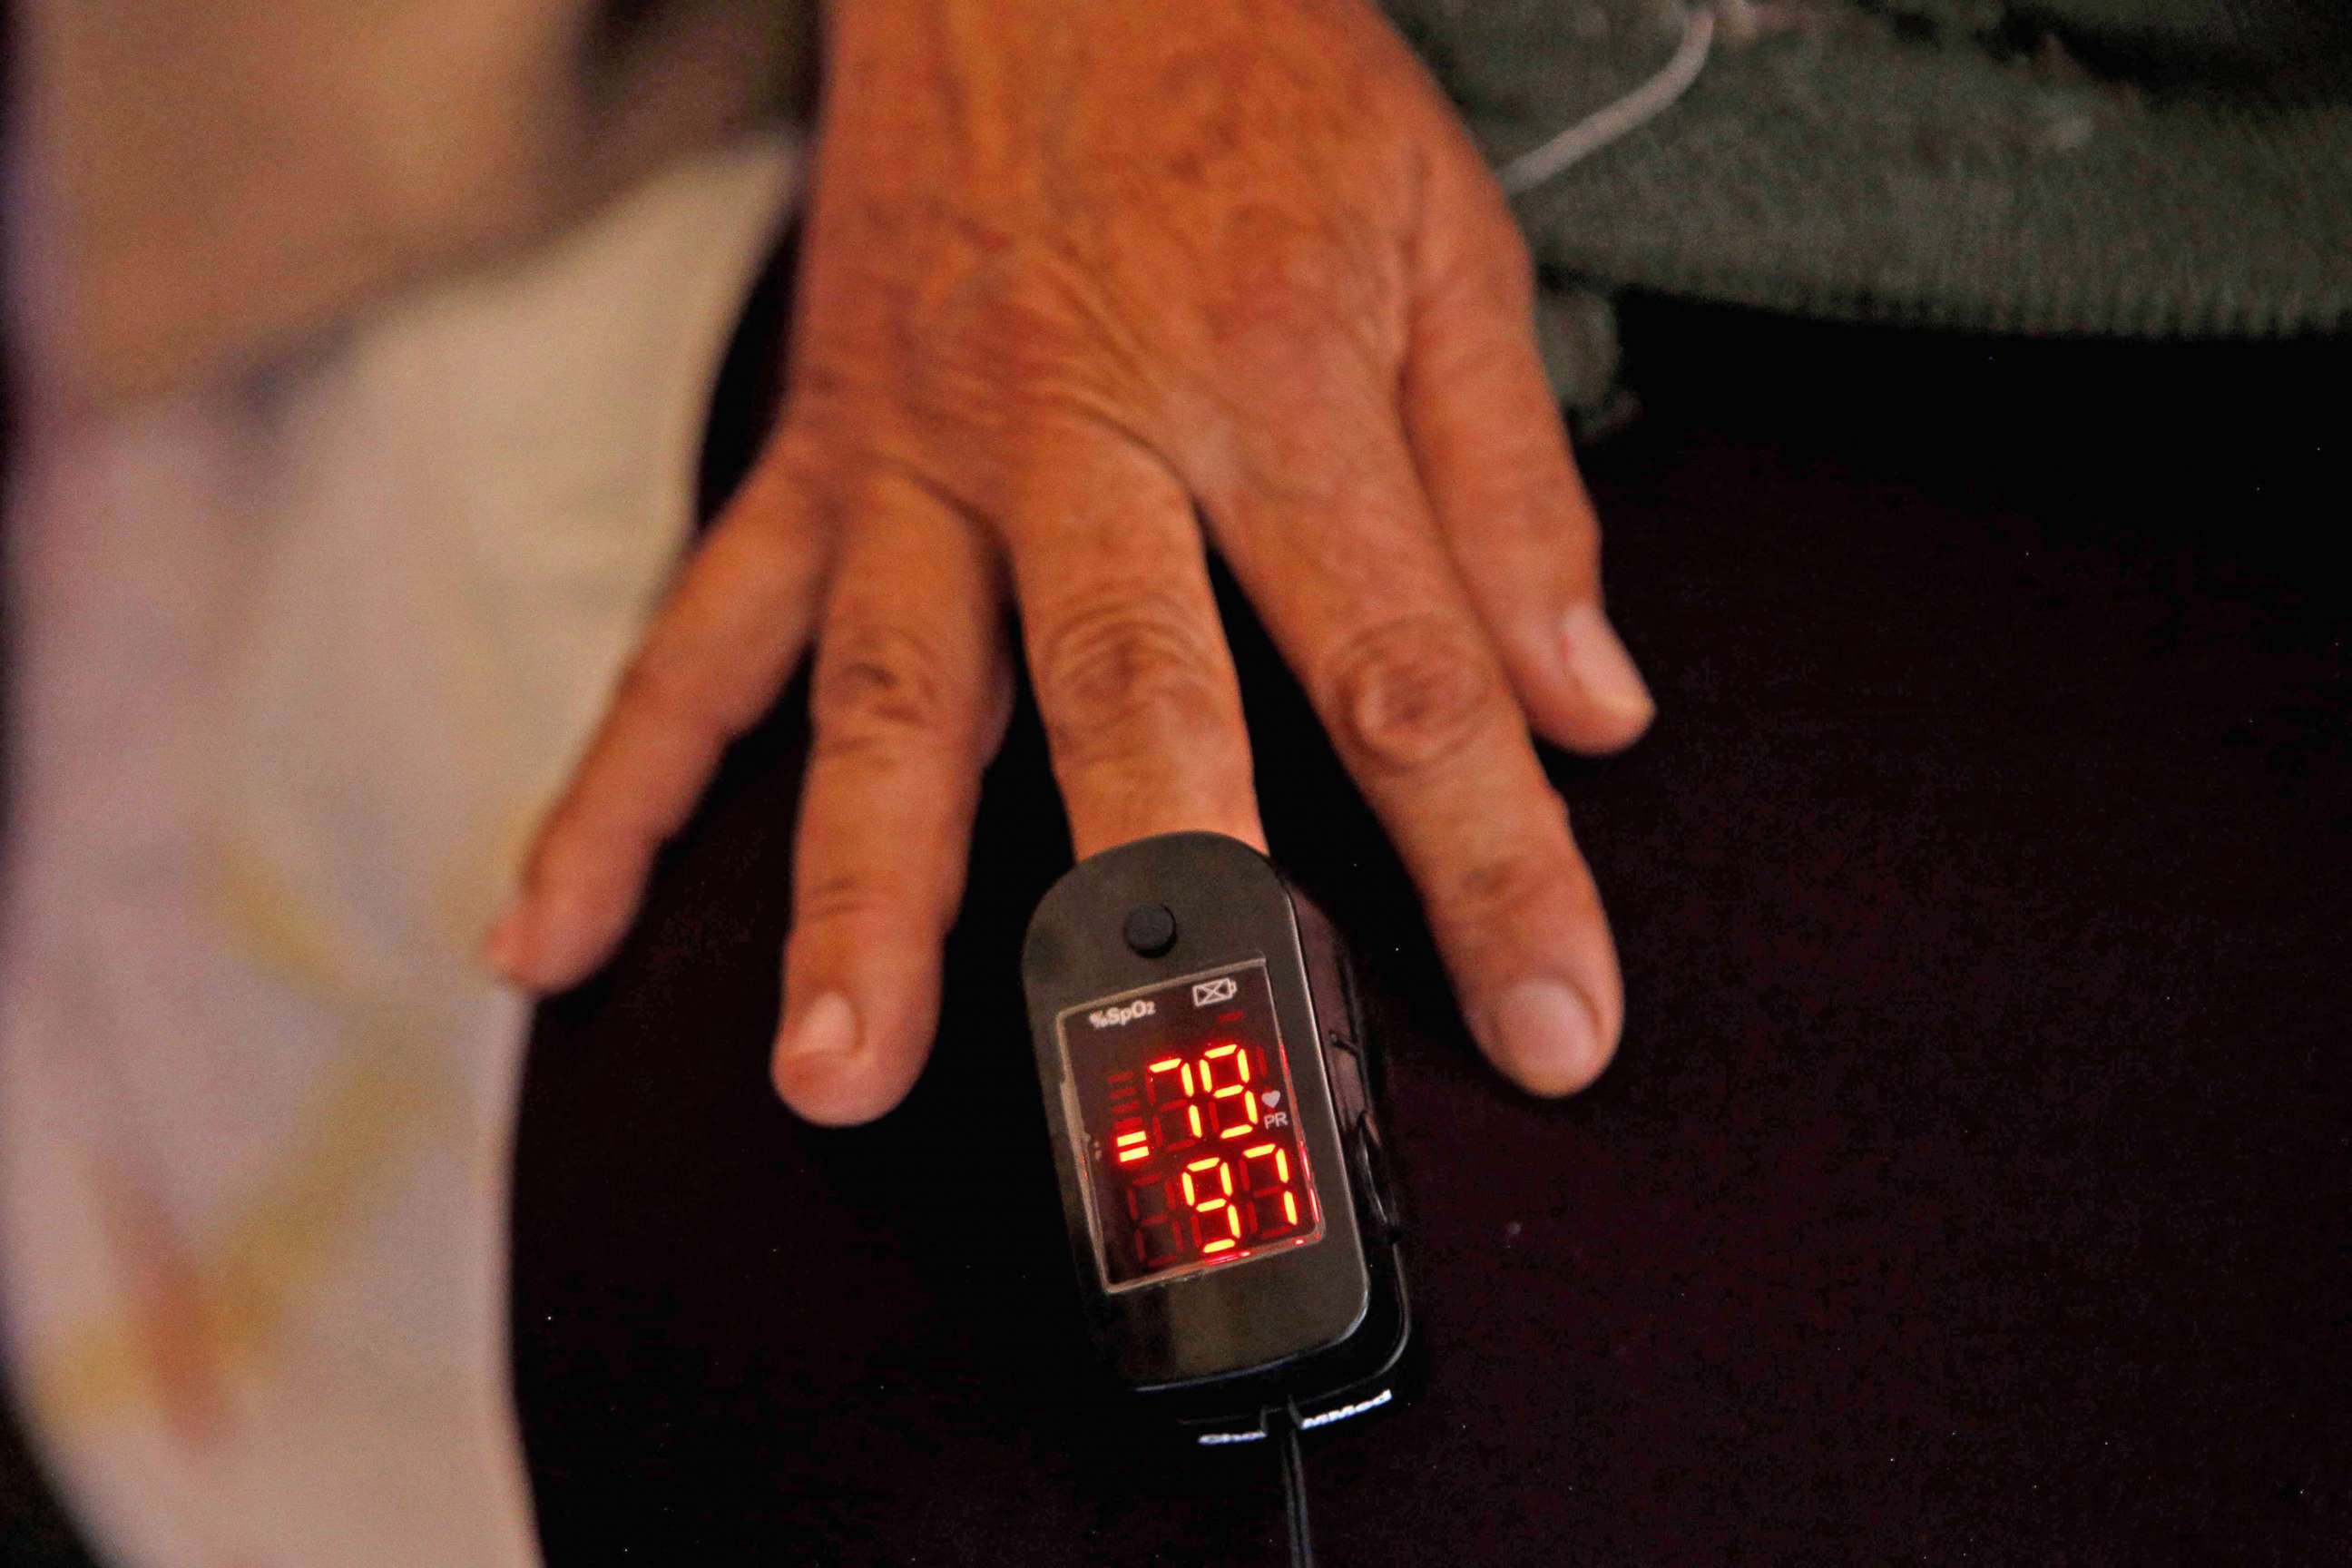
(1210, 1100)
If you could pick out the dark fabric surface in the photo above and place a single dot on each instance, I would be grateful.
(1973, 1182)
(34, 1530)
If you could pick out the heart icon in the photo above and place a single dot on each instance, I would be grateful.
(1273, 1097)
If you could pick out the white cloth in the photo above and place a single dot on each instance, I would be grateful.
(295, 665)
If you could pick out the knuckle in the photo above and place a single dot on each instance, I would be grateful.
(1031, 327)
(888, 900)
(1488, 327)
(878, 689)
(1126, 676)
(1487, 248)
(1288, 288)
(1268, 325)
(666, 687)
(1484, 296)
(1510, 268)
(847, 895)
(1497, 896)
(794, 460)
(579, 853)
(1502, 891)
(563, 835)
(1406, 693)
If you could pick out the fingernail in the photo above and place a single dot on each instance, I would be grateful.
(827, 1027)
(1600, 663)
(1546, 1032)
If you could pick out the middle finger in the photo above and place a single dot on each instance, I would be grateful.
(1134, 681)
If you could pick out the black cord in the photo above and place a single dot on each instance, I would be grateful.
(1293, 1486)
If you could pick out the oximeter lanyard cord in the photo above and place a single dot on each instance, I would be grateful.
(1293, 1486)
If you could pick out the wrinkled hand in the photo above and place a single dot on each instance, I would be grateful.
(1072, 271)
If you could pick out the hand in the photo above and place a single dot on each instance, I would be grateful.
(1081, 282)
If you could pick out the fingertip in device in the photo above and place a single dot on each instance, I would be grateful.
(1212, 1104)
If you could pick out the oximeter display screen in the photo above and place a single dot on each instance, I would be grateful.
(1191, 1140)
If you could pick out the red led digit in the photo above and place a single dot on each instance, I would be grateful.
(1266, 1170)
(1234, 1106)
(1197, 1156)
(1130, 1139)
(1226, 1102)
(1227, 1223)
(1159, 1241)
(1225, 1182)
(1155, 1079)
(1178, 1126)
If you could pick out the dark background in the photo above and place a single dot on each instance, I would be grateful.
(1972, 1186)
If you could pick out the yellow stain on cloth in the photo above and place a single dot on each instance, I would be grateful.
(194, 1314)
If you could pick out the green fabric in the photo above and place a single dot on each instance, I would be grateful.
(2146, 167)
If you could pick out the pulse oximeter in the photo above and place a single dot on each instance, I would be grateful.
(1211, 1100)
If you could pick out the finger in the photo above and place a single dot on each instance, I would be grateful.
(717, 652)
(1134, 682)
(1493, 459)
(1344, 562)
(909, 699)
